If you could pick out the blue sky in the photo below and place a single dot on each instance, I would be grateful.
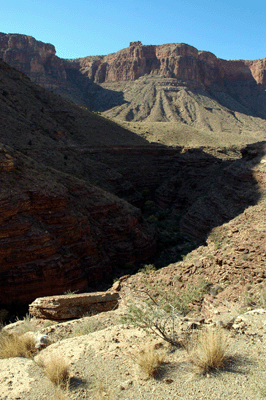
(233, 29)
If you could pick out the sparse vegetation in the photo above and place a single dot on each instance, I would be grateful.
(28, 323)
(15, 345)
(70, 292)
(159, 311)
(86, 328)
(263, 296)
(149, 358)
(208, 349)
(57, 370)
(148, 268)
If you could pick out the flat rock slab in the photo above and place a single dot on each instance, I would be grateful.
(73, 306)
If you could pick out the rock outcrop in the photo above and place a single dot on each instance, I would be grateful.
(59, 233)
(170, 82)
(174, 60)
(63, 226)
(34, 58)
(73, 306)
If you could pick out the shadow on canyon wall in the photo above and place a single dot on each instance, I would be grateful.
(183, 193)
(68, 153)
(94, 96)
(246, 97)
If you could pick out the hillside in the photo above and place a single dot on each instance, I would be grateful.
(165, 208)
(171, 94)
(61, 159)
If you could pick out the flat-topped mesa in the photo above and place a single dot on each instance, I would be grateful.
(169, 60)
(175, 60)
(172, 60)
(181, 64)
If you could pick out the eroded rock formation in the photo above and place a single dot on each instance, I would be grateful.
(34, 58)
(58, 233)
(170, 82)
(74, 305)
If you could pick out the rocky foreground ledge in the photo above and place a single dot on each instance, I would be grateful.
(73, 306)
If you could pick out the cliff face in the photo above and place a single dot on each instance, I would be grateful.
(34, 58)
(179, 61)
(174, 60)
(104, 82)
(58, 233)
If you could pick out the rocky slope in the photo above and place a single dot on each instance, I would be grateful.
(202, 187)
(64, 227)
(58, 233)
(57, 230)
(166, 83)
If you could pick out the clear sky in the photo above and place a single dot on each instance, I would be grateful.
(231, 29)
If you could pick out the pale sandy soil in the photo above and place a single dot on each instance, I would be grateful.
(101, 364)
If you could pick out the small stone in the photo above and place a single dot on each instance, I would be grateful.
(168, 380)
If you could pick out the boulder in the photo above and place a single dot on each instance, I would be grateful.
(73, 306)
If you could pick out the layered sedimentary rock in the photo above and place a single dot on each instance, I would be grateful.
(34, 58)
(73, 306)
(170, 82)
(240, 185)
(59, 234)
(174, 60)
(58, 231)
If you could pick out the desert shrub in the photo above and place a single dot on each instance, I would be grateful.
(57, 370)
(159, 312)
(152, 319)
(152, 316)
(15, 345)
(149, 359)
(147, 269)
(70, 292)
(208, 349)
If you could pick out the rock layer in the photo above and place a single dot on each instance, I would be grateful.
(73, 306)
(59, 234)
(182, 83)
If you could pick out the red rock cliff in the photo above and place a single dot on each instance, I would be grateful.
(34, 58)
(58, 233)
(175, 60)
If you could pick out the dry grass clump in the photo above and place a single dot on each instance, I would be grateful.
(150, 359)
(57, 370)
(15, 345)
(208, 349)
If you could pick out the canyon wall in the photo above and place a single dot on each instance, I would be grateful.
(175, 60)
(36, 59)
(63, 225)
(59, 233)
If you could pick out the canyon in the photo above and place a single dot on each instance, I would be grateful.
(146, 84)
(142, 172)
(84, 197)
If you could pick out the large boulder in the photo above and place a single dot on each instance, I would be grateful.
(73, 306)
